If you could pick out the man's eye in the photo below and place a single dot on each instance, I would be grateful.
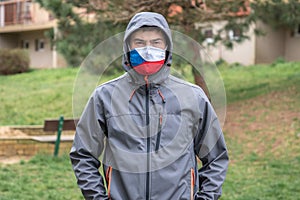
(157, 43)
(139, 43)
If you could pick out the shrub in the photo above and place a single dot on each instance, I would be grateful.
(236, 64)
(279, 60)
(13, 61)
(221, 62)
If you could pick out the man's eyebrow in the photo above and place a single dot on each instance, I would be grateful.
(138, 39)
(157, 39)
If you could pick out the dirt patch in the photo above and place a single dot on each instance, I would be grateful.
(266, 125)
(7, 132)
(13, 159)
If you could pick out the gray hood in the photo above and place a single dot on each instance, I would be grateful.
(147, 19)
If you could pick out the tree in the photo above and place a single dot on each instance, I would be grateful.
(183, 15)
(278, 13)
(76, 36)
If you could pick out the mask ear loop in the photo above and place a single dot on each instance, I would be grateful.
(128, 63)
(167, 56)
(128, 47)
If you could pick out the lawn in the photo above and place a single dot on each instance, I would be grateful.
(26, 99)
(43, 177)
(262, 132)
(29, 98)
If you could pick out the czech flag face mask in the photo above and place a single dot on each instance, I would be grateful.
(147, 60)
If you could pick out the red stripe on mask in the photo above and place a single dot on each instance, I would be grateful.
(149, 68)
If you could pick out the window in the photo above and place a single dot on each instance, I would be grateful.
(25, 44)
(39, 45)
(234, 34)
(208, 35)
(297, 31)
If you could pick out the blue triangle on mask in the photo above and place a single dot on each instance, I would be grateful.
(135, 58)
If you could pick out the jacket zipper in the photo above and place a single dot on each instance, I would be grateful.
(148, 139)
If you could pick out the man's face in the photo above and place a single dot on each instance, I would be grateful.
(142, 38)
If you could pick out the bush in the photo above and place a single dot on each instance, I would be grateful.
(279, 60)
(13, 61)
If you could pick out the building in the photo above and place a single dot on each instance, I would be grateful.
(275, 43)
(281, 43)
(23, 24)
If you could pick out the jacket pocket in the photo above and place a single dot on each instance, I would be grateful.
(158, 132)
(108, 180)
(192, 183)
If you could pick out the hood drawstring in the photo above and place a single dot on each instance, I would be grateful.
(133, 91)
(147, 85)
(162, 96)
(146, 81)
(159, 92)
(131, 95)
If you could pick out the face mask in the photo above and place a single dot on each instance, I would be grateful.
(147, 60)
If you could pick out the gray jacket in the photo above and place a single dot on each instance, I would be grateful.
(148, 132)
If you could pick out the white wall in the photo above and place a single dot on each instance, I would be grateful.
(243, 53)
(40, 58)
(292, 46)
(270, 46)
(40, 15)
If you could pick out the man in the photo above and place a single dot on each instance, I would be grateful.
(150, 127)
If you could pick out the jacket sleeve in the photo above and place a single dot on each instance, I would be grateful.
(87, 146)
(210, 147)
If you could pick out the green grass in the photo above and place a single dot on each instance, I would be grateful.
(31, 97)
(263, 179)
(246, 82)
(43, 177)
(26, 99)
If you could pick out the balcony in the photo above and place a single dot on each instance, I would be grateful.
(22, 15)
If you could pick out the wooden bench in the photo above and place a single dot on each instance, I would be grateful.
(58, 125)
